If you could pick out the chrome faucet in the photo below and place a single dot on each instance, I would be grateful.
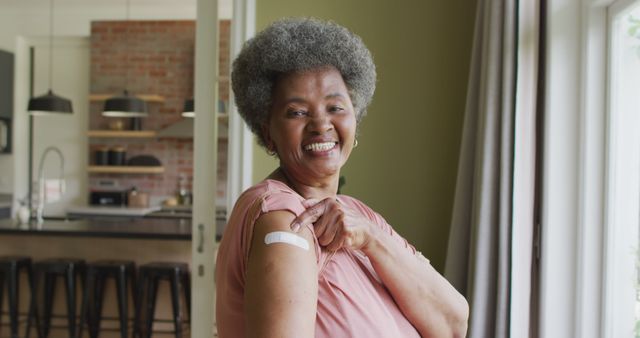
(41, 186)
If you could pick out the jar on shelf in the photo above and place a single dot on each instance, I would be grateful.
(117, 155)
(101, 156)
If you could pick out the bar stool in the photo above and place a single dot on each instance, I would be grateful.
(10, 267)
(150, 275)
(123, 272)
(68, 269)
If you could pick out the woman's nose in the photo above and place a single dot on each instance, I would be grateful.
(320, 122)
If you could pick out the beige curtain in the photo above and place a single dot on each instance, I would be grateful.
(479, 252)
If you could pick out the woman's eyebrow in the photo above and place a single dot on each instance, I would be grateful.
(295, 99)
(331, 96)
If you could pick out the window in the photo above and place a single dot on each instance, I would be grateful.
(622, 220)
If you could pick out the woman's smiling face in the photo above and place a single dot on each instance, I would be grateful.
(312, 123)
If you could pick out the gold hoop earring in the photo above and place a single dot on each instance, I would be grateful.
(355, 143)
(271, 151)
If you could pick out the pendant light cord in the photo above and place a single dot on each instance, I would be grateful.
(50, 44)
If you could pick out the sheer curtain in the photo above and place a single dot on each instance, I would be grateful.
(492, 215)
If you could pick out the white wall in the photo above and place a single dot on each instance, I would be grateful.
(30, 18)
(67, 132)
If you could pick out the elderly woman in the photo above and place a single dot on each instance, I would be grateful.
(297, 259)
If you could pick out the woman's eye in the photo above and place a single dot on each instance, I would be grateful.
(335, 109)
(295, 113)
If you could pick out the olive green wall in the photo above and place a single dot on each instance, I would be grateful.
(405, 164)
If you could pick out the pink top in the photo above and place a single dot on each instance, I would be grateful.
(352, 301)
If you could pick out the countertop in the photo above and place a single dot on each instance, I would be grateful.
(134, 228)
(110, 211)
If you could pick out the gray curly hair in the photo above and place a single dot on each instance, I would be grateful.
(297, 44)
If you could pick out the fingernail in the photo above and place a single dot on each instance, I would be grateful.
(295, 227)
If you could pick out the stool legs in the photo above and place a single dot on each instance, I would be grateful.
(98, 298)
(151, 303)
(135, 297)
(175, 303)
(177, 275)
(121, 288)
(137, 323)
(48, 272)
(10, 269)
(49, 286)
(33, 310)
(87, 283)
(186, 284)
(70, 282)
(14, 288)
(123, 272)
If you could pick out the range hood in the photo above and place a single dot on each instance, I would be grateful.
(184, 129)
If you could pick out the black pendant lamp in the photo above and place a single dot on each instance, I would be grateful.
(50, 103)
(189, 108)
(125, 105)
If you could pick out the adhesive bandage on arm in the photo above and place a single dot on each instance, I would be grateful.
(287, 238)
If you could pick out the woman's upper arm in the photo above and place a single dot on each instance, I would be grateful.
(281, 287)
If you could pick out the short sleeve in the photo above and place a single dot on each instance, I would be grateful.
(281, 201)
(380, 221)
(273, 200)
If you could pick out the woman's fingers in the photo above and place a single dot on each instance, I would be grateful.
(338, 242)
(335, 225)
(314, 211)
(326, 228)
(310, 202)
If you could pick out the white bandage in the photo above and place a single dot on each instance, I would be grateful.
(286, 237)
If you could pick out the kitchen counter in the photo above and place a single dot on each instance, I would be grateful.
(134, 228)
(109, 211)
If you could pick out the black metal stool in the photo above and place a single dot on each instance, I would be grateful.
(10, 267)
(69, 269)
(150, 275)
(123, 272)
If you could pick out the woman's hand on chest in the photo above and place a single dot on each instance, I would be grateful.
(336, 225)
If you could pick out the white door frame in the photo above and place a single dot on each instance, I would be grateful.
(204, 245)
(573, 203)
(620, 232)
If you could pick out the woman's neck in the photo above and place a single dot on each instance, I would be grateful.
(318, 189)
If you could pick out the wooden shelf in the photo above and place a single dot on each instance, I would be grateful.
(146, 97)
(122, 133)
(112, 169)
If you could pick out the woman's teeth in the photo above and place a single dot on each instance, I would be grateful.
(324, 146)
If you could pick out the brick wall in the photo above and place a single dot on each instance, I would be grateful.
(152, 57)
